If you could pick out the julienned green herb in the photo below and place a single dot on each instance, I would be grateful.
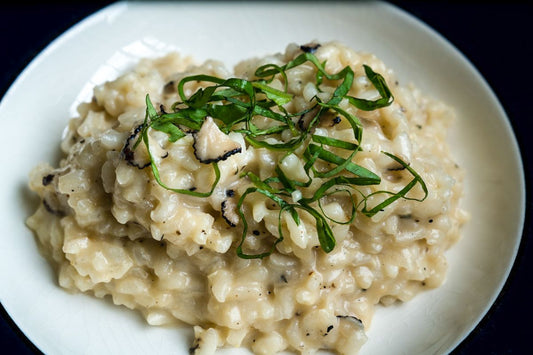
(235, 104)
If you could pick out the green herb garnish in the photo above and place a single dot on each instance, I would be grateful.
(236, 104)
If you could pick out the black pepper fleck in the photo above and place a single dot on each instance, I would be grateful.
(48, 179)
(193, 349)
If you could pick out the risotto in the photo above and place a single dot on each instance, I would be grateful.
(270, 208)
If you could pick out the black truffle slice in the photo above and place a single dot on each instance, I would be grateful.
(135, 157)
(229, 212)
(305, 120)
(310, 47)
(212, 145)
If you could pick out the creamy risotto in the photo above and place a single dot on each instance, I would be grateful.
(274, 210)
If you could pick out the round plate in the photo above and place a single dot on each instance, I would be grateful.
(38, 105)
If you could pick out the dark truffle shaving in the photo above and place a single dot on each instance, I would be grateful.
(228, 209)
(51, 210)
(211, 145)
(396, 168)
(169, 87)
(352, 319)
(217, 159)
(306, 118)
(127, 152)
(310, 47)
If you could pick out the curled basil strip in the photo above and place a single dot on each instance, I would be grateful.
(236, 103)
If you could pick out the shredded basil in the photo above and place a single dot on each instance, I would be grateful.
(236, 104)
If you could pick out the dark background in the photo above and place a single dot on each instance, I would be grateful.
(496, 37)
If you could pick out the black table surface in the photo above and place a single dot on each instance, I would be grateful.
(496, 37)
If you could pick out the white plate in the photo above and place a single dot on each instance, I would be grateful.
(38, 105)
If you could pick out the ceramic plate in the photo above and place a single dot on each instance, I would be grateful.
(38, 105)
